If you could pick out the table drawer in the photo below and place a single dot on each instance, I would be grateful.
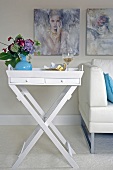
(63, 81)
(27, 80)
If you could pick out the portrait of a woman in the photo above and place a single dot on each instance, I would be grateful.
(53, 31)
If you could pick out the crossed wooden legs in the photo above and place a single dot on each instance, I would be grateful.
(45, 124)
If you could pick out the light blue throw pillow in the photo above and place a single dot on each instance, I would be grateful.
(109, 87)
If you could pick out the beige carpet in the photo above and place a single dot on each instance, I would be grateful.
(45, 156)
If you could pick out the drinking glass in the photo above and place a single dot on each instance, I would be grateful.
(68, 56)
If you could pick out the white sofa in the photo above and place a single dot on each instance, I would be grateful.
(96, 111)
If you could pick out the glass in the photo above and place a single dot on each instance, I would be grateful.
(67, 56)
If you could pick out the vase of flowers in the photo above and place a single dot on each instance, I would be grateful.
(23, 64)
(16, 53)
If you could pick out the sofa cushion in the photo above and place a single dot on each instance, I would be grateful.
(105, 64)
(109, 87)
(100, 114)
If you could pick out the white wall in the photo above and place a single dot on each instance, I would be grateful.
(16, 16)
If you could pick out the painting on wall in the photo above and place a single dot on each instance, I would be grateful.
(57, 30)
(99, 32)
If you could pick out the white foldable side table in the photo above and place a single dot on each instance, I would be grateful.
(18, 82)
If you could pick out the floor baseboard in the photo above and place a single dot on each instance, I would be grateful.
(28, 120)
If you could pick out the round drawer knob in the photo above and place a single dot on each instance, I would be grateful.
(61, 81)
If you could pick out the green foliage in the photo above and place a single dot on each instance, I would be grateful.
(5, 56)
(15, 48)
(38, 53)
(37, 43)
(12, 52)
(18, 36)
(12, 62)
(9, 59)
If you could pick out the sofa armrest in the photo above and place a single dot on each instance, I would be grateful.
(93, 90)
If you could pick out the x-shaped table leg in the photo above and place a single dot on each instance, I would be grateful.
(44, 123)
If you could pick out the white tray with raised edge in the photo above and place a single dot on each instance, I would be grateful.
(38, 76)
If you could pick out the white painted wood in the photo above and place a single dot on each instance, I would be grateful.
(27, 149)
(62, 81)
(69, 149)
(32, 100)
(36, 132)
(36, 73)
(36, 105)
(33, 78)
(27, 80)
(44, 127)
(22, 148)
(56, 131)
(58, 105)
(60, 136)
(60, 147)
(37, 77)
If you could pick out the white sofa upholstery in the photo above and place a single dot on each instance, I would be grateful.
(96, 111)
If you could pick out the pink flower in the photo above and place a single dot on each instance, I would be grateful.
(4, 49)
(20, 42)
(9, 38)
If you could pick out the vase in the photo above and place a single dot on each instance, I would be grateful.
(23, 64)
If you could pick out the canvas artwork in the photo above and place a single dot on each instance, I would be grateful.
(57, 30)
(99, 32)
